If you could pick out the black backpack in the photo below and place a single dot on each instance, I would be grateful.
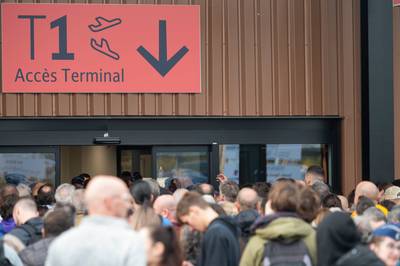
(286, 253)
(3, 260)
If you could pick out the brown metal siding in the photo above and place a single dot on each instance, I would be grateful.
(259, 58)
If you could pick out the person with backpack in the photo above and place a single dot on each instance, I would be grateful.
(29, 225)
(281, 237)
(55, 222)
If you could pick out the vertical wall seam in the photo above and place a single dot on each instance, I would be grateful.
(340, 45)
(256, 59)
(242, 101)
(225, 93)
(271, 18)
(322, 34)
(289, 47)
(307, 47)
(207, 59)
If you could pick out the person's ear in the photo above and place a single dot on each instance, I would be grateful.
(237, 205)
(164, 213)
(16, 215)
(221, 197)
(268, 209)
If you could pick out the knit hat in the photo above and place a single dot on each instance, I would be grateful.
(392, 193)
(388, 230)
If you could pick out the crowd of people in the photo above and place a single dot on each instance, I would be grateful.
(130, 220)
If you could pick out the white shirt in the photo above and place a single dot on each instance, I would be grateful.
(98, 241)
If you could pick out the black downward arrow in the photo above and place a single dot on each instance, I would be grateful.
(162, 64)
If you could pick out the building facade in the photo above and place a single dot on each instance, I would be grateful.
(274, 72)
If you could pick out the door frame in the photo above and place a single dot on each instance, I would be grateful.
(210, 131)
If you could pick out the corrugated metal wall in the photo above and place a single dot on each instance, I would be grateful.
(260, 58)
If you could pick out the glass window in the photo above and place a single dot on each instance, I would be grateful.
(260, 162)
(136, 159)
(126, 160)
(188, 166)
(229, 161)
(28, 168)
(292, 160)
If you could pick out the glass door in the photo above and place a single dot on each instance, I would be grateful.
(135, 159)
(188, 165)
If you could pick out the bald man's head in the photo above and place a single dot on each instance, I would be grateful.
(367, 189)
(247, 199)
(108, 196)
(164, 202)
(24, 210)
(165, 205)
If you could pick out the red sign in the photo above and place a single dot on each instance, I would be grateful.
(396, 2)
(100, 48)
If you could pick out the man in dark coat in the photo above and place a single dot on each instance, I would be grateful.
(220, 244)
(55, 222)
(29, 225)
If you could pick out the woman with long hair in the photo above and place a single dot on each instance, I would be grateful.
(162, 247)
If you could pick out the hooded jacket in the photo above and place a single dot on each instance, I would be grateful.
(336, 235)
(220, 245)
(278, 225)
(359, 256)
(245, 220)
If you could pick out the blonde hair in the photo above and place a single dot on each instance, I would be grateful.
(144, 217)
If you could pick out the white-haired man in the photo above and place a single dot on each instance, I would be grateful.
(104, 237)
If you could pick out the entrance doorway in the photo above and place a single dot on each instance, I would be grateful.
(188, 164)
(247, 150)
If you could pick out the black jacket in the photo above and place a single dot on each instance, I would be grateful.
(359, 256)
(220, 245)
(245, 219)
(23, 232)
(336, 235)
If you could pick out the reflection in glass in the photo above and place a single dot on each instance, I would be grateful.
(126, 161)
(266, 162)
(28, 168)
(136, 160)
(292, 160)
(187, 166)
(229, 161)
